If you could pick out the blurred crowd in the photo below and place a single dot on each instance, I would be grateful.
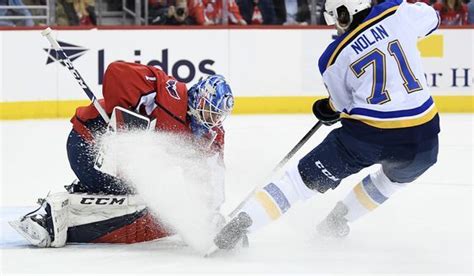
(209, 12)
(278, 12)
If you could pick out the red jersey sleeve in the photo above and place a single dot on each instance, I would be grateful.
(88, 115)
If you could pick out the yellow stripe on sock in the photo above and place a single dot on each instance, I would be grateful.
(363, 198)
(270, 207)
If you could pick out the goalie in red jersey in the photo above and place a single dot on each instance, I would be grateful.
(136, 91)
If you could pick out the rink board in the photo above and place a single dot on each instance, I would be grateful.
(270, 71)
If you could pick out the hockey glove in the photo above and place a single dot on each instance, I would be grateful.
(323, 111)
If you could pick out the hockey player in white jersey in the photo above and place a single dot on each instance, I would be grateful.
(378, 91)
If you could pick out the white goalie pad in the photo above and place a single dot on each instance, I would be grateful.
(89, 208)
(69, 210)
(36, 233)
(122, 120)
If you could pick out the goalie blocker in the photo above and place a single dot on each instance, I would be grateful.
(122, 120)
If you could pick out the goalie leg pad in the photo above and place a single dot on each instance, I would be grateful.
(112, 219)
(142, 228)
(47, 230)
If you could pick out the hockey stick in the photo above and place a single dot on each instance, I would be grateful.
(282, 163)
(64, 58)
(298, 146)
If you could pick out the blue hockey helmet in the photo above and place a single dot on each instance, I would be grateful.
(210, 101)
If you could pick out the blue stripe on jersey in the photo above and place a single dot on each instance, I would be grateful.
(375, 11)
(437, 25)
(392, 114)
(324, 59)
(278, 196)
(372, 190)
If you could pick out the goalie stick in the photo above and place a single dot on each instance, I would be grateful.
(282, 163)
(68, 63)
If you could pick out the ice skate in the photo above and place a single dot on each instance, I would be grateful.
(335, 225)
(33, 227)
(48, 229)
(233, 232)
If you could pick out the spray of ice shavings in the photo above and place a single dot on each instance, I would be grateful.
(172, 176)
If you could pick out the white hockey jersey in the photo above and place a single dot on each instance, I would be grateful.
(374, 73)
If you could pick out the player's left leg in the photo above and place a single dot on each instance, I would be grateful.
(401, 165)
(337, 157)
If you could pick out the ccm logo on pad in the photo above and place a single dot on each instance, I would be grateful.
(103, 200)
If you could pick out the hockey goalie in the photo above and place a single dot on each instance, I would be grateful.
(100, 206)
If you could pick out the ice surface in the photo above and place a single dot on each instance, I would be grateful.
(427, 228)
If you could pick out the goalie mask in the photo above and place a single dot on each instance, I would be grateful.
(341, 12)
(210, 101)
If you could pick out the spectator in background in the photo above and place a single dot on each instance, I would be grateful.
(172, 13)
(470, 11)
(158, 10)
(22, 12)
(291, 12)
(428, 2)
(209, 12)
(69, 11)
(250, 8)
(37, 12)
(79, 12)
(86, 12)
(452, 12)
